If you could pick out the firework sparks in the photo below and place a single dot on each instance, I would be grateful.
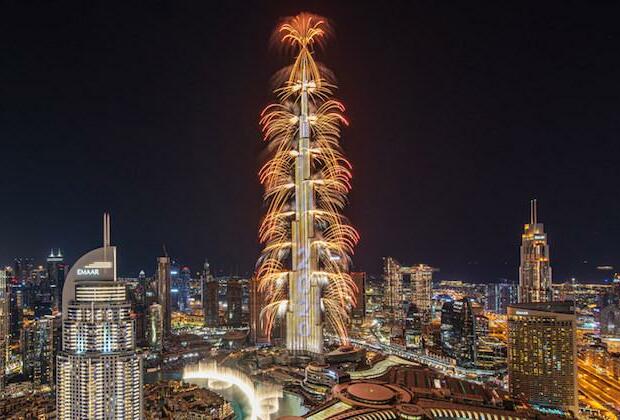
(308, 243)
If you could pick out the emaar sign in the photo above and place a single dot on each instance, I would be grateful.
(87, 271)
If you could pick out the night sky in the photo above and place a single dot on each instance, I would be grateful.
(460, 113)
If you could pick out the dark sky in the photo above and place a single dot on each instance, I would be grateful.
(460, 113)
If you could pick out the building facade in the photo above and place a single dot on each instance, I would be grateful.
(421, 286)
(393, 289)
(163, 292)
(99, 373)
(458, 331)
(500, 296)
(258, 335)
(542, 354)
(56, 275)
(37, 346)
(210, 298)
(155, 329)
(234, 298)
(610, 320)
(358, 311)
(535, 269)
(4, 326)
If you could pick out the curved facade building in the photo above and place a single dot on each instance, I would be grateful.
(99, 370)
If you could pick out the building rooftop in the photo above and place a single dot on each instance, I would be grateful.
(564, 307)
(411, 392)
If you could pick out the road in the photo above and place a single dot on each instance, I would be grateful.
(599, 388)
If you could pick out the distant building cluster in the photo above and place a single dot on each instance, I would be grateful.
(75, 338)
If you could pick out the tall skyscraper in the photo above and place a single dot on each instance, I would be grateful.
(4, 326)
(358, 312)
(257, 301)
(99, 371)
(419, 292)
(16, 310)
(163, 292)
(41, 293)
(305, 262)
(184, 280)
(210, 298)
(234, 295)
(421, 285)
(38, 351)
(542, 354)
(23, 269)
(458, 331)
(500, 295)
(535, 270)
(393, 289)
(155, 329)
(56, 276)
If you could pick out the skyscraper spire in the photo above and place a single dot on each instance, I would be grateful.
(533, 215)
(106, 229)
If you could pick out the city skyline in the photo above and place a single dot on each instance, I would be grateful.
(469, 126)
(226, 308)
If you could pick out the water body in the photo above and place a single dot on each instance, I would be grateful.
(289, 405)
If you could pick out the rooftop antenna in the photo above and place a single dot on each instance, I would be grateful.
(106, 229)
(165, 251)
(533, 212)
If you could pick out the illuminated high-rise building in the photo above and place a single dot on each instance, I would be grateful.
(99, 373)
(234, 295)
(413, 328)
(535, 270)
(304, 265)
(37, 348)
(393, 289)
(458, 331)
(257, 301)
(22, 268)
(210, 298)
(4, 326)
(163, 292)
(542, 354)
(358, 312)
(419, 292)
(184, 280)
(16, 310)
(500, 295)
(421, 285)
(56, 277)
(155, 327)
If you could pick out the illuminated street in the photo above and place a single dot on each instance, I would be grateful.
(599, 388)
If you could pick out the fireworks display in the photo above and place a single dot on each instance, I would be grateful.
(307, 242)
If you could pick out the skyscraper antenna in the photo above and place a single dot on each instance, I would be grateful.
(106, 229)
(533, 216)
